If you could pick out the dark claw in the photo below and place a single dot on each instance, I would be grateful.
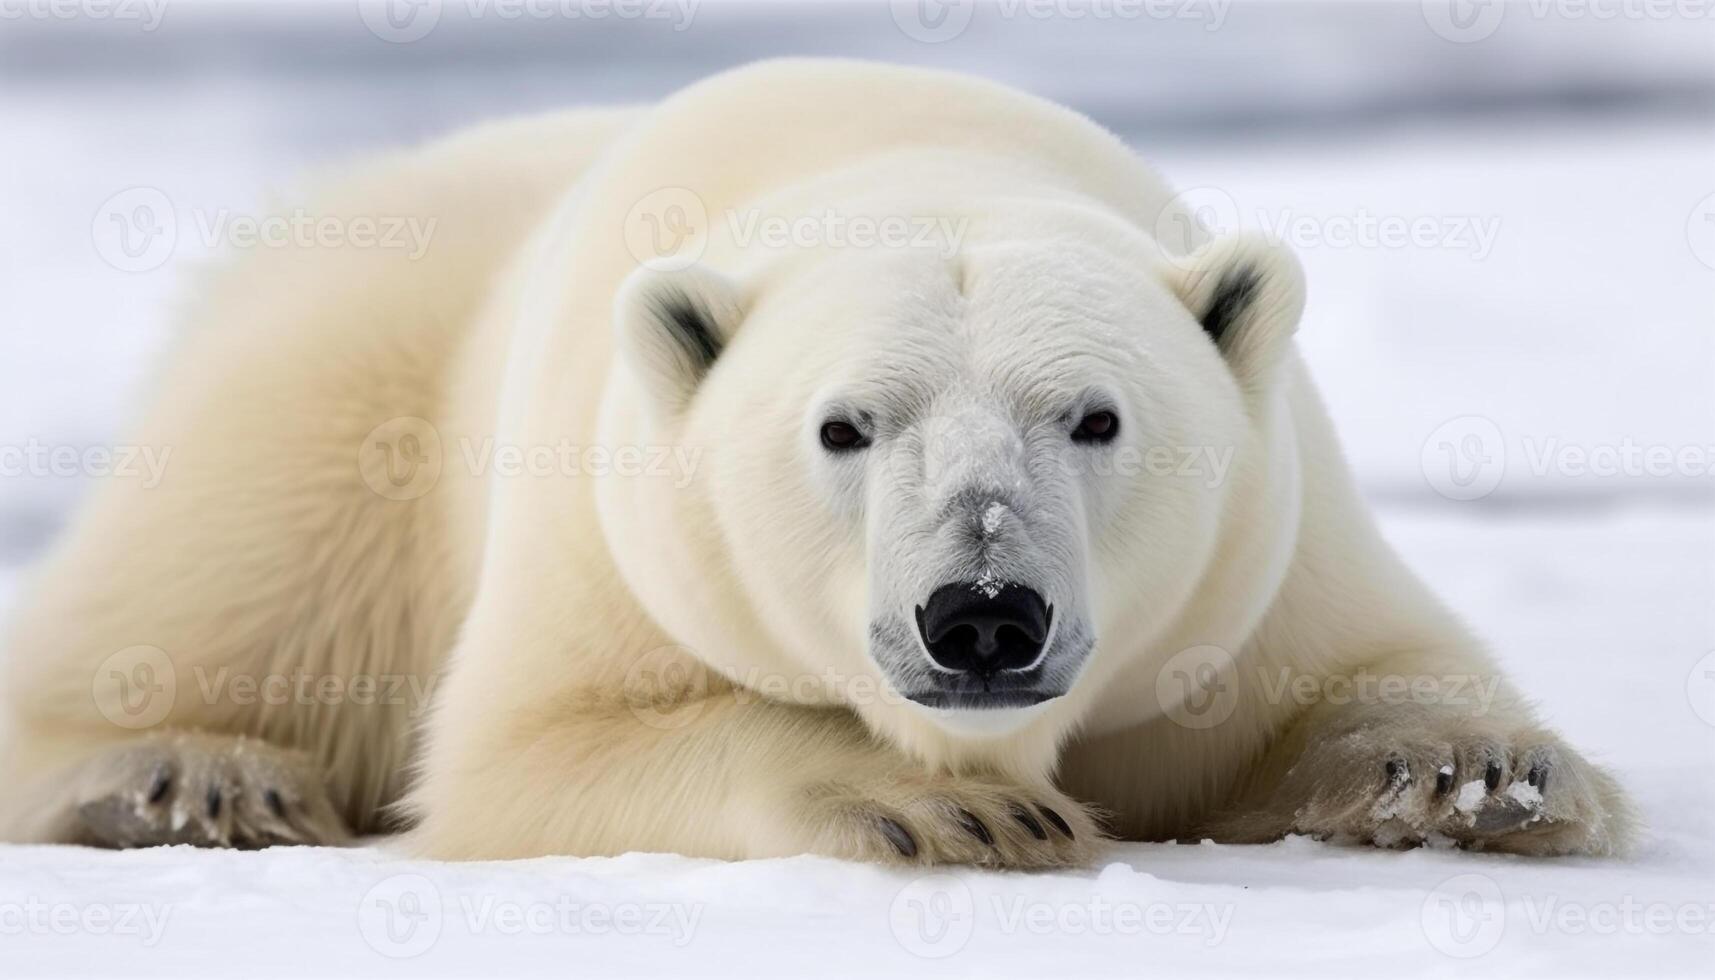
(1538, 776)
(275, 803)
(1443, 782)
(1397, 772)
(1492, 775)
(899, 837)
(162, 783)
(1030, 823)
(1057, 820)
(975, 827)
(213, 801)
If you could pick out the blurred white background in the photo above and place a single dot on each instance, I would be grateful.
(1506, 211)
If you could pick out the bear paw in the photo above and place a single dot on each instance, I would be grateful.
(921, 820)
(1527, 793)
(207, 791)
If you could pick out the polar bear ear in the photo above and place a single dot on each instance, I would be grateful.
(671, 326)
(1248, 294)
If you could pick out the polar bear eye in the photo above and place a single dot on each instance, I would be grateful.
(840, 437)
(1097, 427)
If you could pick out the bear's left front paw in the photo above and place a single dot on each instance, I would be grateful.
(1524, 792)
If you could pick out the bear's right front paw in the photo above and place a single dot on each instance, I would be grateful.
(922, 819)
(207, 791)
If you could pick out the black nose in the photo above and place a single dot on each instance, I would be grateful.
(984, 628)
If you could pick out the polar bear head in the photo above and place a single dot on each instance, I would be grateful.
(973, 474)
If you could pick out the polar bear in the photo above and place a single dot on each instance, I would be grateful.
(678, 515)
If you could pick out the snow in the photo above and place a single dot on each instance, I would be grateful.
(1470, 796)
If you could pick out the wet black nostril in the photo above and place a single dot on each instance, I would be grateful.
(984, 628)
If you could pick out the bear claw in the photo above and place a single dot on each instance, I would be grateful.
(898, 836)
(1058, 821)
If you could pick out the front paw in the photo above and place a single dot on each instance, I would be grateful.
(1523, 792)
(207, 791)
(918, 819)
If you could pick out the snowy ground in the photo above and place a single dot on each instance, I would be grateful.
(1581, 322)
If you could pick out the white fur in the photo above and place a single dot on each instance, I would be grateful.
(686, 664)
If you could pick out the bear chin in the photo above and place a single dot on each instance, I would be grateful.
(981, 722)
